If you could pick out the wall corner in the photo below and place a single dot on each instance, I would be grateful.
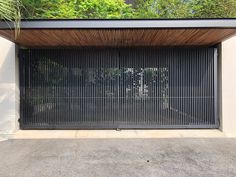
(228, 86)
(9, 87)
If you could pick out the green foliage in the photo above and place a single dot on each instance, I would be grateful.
(49, 9)
(173, 9)
(213, 8)
(162, 8)
(58, 9)
(104, 9)
(98, 9)
(77, 9)
(10, 10)
(30, 8)
(146, 9)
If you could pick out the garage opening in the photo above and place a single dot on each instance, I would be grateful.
(109, 88)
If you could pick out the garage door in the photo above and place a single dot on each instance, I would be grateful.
(110, 88)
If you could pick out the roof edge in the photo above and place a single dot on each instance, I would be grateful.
(120, 23)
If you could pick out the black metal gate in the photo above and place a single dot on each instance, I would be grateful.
(118, 88)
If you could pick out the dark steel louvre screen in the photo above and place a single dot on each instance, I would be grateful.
(118, 88)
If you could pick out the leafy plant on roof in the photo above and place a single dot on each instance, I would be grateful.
(10, 11)
(80, 9)
(109, 9)
(213, 8)
(162, 8)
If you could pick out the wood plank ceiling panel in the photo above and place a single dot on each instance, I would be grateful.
(118, 37)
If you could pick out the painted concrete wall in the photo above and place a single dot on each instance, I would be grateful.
(9, 87)
(228, 121)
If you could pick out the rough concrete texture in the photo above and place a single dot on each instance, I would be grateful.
(119, 157)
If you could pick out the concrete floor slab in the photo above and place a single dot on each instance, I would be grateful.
(169, 157)
(78, 134)
(44, 134)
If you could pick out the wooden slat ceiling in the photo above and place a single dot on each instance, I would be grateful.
(118, 37)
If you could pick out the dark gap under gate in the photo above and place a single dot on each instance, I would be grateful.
(109, 88)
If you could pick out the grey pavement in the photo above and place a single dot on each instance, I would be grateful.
(183, 157)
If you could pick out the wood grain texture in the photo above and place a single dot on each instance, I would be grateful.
(118, 37)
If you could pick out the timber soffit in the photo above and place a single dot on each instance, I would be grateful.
(120, 33)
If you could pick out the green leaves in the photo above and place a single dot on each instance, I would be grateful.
(10, 11)
(213, 8)
(113, 9)
(104, 9)
(162, 9)
(38, 9)
(77, 9)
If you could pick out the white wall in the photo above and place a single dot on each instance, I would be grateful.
(9, 87)
(229, 86)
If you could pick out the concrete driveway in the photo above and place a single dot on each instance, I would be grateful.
(153, 157)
